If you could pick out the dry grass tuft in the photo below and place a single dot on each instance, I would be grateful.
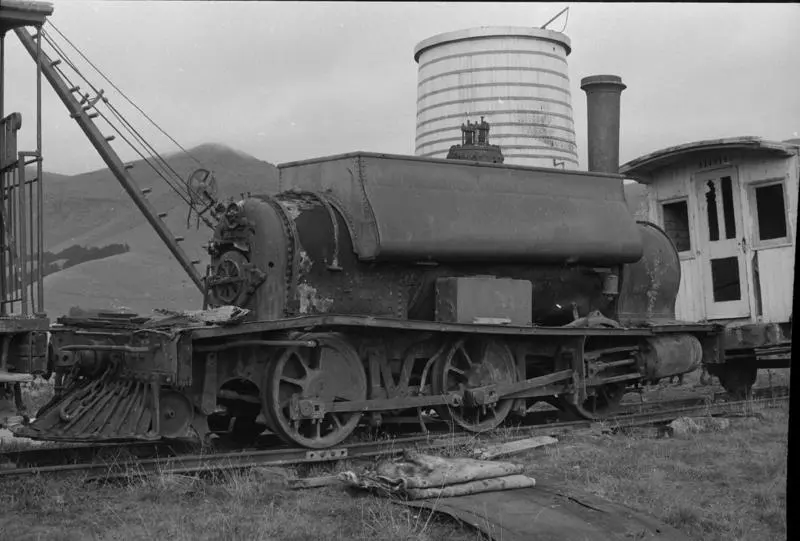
(719, 485)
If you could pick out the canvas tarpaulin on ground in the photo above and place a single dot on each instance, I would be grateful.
(418, 476)
(549, 513)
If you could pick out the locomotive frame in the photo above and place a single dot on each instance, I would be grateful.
(345, 366)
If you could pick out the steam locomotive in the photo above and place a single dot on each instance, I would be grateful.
(374, 286)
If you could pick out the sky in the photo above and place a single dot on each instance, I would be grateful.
(285, 81)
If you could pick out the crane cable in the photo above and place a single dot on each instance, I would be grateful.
(124, 95)
(128, 127)
(140, 139)
(185, 196)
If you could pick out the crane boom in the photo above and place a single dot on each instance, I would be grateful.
(110, 157)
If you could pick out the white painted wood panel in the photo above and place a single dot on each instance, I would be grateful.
(776, 277)
(689, 305)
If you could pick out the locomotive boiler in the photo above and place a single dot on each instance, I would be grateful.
(376, 286)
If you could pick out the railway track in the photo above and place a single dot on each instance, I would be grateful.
(115, 460)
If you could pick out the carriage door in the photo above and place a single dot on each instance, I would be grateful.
(723, 245)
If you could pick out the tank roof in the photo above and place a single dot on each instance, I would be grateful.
(643, 166)
(366, 154)
(17, 13)
(492, 32)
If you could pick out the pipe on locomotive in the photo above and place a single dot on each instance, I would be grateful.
(603, 111)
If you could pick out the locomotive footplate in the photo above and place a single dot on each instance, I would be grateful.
(338, 321)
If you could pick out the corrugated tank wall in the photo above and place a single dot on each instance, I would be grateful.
(515, 77)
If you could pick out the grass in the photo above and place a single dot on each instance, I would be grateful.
(726, 485)
(240, 505)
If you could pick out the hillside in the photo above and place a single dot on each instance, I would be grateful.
(92, 209)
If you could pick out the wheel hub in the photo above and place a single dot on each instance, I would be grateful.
(478, 364)
(175, 414)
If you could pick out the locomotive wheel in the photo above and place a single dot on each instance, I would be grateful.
(331, 372)
(175, 414)
(738, 380)
(471, 363)
(599, 405)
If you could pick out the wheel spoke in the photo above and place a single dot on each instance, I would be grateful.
(304, 363)
(467, 358)
(458, 371)
(294, 381)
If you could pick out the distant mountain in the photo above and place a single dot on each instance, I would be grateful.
(92, 209)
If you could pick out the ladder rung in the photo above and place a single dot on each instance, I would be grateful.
(179, 239)
(93, 115)
(162, 214)
(195, 261)
(128, 166)
(147, 191)
(74, 89)
(55, 62)
(111, 138)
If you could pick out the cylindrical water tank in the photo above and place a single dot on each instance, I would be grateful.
(515, 77)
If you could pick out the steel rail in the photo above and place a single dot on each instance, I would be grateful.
(38, 457)
(288, 456)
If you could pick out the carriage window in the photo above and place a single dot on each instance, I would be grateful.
(727, 208)
(676, 224)
(771, 212)
(711, 209)
(725, 279)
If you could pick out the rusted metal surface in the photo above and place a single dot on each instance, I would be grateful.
(477, 212)
(470, 299)
(367, 322)
(603, 105)
(650, 286)
(306, 254)
(665, 356)
(475, 145)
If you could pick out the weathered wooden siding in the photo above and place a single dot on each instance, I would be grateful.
(670, 185)
(689, 305)
(776, 263)
(776, 276)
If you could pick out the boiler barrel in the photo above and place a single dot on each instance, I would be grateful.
(516, 77)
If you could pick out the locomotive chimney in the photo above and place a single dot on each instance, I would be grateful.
(602, 100)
